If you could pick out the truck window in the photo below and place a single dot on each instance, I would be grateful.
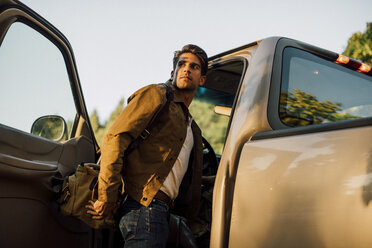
(213, 102)
(34, 83)
(315, 90)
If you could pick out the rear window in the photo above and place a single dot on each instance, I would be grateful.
(315, 90)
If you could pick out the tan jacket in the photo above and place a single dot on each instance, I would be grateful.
(147, 166)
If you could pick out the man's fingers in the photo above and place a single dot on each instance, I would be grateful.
(99, 210)
(89, 207)
(92, 212)
(97, 217)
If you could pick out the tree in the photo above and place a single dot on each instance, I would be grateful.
(100, 130)
(300, 109)
(360, 46)
(213, 126)
(94, 121)
(115, 114)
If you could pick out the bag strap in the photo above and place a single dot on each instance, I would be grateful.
(147, 131)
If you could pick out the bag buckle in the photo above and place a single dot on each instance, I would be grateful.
(144, 134)
(67, 196)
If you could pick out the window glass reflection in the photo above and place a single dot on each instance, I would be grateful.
(316, 91)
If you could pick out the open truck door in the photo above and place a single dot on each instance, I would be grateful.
(44, 131)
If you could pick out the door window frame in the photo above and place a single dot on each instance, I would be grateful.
(20, 13)
(217, 63)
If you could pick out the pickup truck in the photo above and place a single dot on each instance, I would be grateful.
(288, 129)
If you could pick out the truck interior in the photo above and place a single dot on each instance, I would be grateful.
(211, 108)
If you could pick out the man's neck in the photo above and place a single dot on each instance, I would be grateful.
(186, 96)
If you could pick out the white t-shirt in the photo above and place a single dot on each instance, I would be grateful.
(173, 181)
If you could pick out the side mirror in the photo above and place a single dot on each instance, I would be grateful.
(52, 127)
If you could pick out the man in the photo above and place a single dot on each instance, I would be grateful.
(165, 166)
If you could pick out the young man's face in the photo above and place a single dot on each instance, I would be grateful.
(187, 75)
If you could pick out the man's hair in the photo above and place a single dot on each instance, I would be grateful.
(197, 51)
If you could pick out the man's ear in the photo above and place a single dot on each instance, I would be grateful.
(172, 73)
(202, 80)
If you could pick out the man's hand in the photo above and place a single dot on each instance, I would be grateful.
(99, 209)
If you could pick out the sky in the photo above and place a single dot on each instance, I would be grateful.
(121, 46)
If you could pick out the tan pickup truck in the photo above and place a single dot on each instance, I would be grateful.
(288, 123)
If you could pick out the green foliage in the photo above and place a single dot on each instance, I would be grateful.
(213, 126)
(101, 129)
(300, 109)
(69, 127)
(360, 46)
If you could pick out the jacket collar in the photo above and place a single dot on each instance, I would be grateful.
(177, 98)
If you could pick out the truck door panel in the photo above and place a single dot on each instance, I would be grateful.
(304, 191)
(40, 135)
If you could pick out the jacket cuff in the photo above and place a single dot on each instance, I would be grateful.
(108, 196)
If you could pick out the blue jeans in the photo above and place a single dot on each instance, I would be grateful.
(143, 226)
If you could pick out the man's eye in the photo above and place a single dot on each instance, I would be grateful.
(180, 63)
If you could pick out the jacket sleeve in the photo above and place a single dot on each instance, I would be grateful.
(141, 109)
